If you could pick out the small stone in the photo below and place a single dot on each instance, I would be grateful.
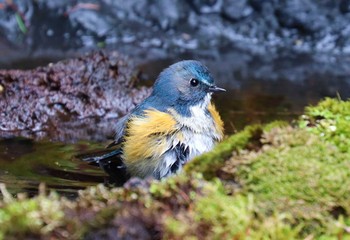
(236, 10)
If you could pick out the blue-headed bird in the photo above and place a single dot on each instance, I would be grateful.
(176, 123)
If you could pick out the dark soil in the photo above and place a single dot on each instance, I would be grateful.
(70, 99)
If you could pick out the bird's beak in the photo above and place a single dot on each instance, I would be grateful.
(216, 89)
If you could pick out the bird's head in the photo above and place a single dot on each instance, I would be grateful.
(187, 82)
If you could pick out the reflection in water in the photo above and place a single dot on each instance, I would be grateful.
(241, 108)
(25, 164)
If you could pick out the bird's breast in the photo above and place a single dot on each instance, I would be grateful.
(197, 143)
(204, 121)
(201, 130)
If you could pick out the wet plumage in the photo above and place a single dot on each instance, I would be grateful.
(176, 123)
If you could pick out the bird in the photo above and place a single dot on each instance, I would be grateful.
(176, 123)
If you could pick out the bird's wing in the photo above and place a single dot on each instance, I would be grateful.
(147, 138)
(119, 131)
(150, 103)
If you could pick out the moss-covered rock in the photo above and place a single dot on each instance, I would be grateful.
(330, 119)
(209, 163)
(266, 182)
(23, 217)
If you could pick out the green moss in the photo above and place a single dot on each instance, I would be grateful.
(208, 164)
(302, 173)
(221, 212)
(330, 120)
(275, 124)
(218, 216)
(35, 216)
(303, 176)
(175, 227)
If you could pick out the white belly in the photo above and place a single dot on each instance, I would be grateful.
(198, 143)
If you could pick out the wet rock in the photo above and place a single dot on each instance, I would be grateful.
(236, 10)
(344, 6)
(212, 24)
(263, 6)
(206, 6)
(303, 15)
(15, 19)
(167, 14)
(70, 99)
(92, 21)
(53, 4)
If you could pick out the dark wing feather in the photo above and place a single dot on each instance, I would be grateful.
(119, 131)
(181, 152)
(152, 102)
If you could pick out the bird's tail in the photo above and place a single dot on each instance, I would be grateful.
(111, 162)
(99, 157)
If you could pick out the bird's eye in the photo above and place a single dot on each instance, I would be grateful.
(194, 82)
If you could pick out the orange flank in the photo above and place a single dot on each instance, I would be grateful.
(219, 124)
(145, 136)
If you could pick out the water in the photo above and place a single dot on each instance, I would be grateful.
(26, 163)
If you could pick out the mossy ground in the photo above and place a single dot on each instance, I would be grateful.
(266, 182)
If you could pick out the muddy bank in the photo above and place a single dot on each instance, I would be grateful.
(74, 99)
